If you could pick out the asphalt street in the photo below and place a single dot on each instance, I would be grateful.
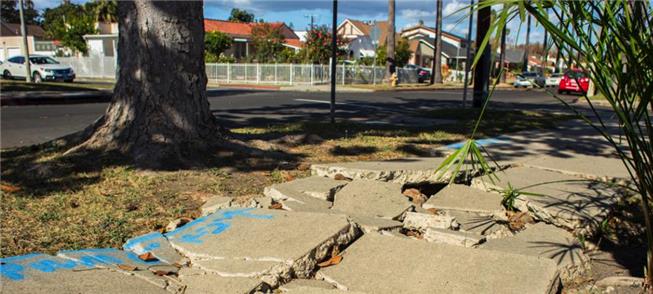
(26, 125)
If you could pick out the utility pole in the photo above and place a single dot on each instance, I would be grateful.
(312, 19)
(436, 67)
(468, 54)
(502, 56)
(482, 68)
(528, 37)
(23, 32)
(545, 46)
(334, 44)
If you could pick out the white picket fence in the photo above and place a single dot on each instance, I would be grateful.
(257, 73)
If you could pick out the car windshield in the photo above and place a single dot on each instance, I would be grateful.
(575, 74)
(42, 60)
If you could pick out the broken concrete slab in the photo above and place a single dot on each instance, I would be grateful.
(422, 221)
(116, 259)
(386, 264)
(372, 199)
(294, 200)
(157, 244)
(481, 224)
(216, 203)
(318, 187)
(594, 167)
(407, 170)
(542, 240)
(374, 224)
(40, 273)
(465, 198)
(458, 238)
(303, 284)
(288, 238)
(200, 282)
(230, 267)
(563, 200)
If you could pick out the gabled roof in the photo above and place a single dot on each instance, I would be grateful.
(448, 50)
(243, 29)
(13, 30)
(366, 27)
(432, 30)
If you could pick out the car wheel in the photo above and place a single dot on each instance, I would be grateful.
(6, 75)
(36, 77)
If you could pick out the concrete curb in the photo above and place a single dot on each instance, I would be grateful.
(47, 97)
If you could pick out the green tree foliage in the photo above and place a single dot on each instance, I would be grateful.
(317, 47)
(216, 42)
(9, 12)
(241, 15)
(68, 23)
(268, 41)
(103, 10)
(402, 53)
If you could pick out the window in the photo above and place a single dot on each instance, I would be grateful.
(17, 59)
(42, 60)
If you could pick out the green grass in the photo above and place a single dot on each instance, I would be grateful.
(22, 86)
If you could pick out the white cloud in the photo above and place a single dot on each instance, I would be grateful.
(415, 14)
(453, 7)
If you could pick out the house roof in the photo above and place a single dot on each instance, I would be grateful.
(449, 50)
(13, 30)
(296, 43)
(243, 29)
(430, 29)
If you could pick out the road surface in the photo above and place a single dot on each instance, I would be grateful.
(26, 125)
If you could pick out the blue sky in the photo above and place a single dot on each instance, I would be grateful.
(408, 12)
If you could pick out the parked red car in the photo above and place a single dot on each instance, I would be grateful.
(568, 82)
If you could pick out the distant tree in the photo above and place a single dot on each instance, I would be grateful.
(268, 41)
(68, 23)
(9, 12)
(216, 42)
(402, 53)
(317, 48)
(238, 15)
(103, 10)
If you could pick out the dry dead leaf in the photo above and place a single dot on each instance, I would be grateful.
(432, 210)
(304, 166)
(415, 196)
(416, 234)
(331, 261)
(147, 256)
(127, 267)
(275, 205)
(9, 188)
(340, 177)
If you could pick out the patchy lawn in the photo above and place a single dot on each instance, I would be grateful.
(52, 202)
(22, 86)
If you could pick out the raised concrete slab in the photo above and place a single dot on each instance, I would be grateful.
(563, 200)
(598, 167)
(216, 203)
(465, 198)
(407, 170)
(229, 267)
(422, 221)
(386, 264)
(458, 238)
(481, 224)
(296, 241)
(40, 273)
(294, 199)
(546, 241)
(319, 187)
(372, 199)
(306, 284)
(375, 224)
(200, 282)
(157, 244)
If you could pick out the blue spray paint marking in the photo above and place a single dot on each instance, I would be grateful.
(11, 269)
(108, 256)
(481, 142)
(50, 266)
(144, 243)
(214, 224)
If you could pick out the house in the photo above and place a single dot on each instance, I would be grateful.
(105, 42)
(514, 59)
(421, 38)
(11, 41)
(241, 33)
(362, 37)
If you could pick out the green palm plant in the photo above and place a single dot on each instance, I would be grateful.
(613, 42)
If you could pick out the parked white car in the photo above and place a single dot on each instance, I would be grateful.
(522, 81)
(44, 68)
(551, 81)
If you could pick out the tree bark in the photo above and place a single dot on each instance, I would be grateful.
(436, 77)
(502, 56)
(390, 41)
(528, 39)
(159, 115)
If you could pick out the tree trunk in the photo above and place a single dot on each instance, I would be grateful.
(390, 41)
(502, 56)
(159, 115)
(436, 70)
(482, 68)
